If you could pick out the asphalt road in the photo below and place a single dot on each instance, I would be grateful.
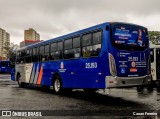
(114, 103)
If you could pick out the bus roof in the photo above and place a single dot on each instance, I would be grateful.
(4, 61)
(73, 34)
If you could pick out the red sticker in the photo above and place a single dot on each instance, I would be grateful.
(133, 69)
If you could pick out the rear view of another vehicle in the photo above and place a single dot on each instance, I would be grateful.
(5, 66)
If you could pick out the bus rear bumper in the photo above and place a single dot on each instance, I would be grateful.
(115, 82)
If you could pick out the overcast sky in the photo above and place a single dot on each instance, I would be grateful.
(52, 18)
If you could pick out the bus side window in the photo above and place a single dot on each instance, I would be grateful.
(35, 55)
(86, 51)
(68, 49)
(18, 57)
(76, 47)
(53, 52)
(41, 53)
(91, 44)
(46, 54)
(28, 56)
(86, 42)
(96, 47)
(23, 53)
(60, 49)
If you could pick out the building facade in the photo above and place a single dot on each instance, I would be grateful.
(30, 37)
(31, 34)
(4, 38)
(28, 42)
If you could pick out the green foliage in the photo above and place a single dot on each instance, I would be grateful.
(154, 36)
(9, 48)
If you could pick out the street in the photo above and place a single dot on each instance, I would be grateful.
(114, 103)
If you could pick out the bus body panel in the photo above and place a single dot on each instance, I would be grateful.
(155, 61)
(5, 66)
(153, 66)
(92, 72)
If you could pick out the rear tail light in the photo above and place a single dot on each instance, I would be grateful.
(112, 65)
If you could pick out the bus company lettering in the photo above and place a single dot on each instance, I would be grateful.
(123, 54)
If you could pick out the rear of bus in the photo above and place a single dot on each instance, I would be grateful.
(128, 53)
(5, 66)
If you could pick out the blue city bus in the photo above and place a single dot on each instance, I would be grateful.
(108, 55)
(5, 66)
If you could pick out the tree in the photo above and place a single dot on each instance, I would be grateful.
(154, 37)
(9, 48)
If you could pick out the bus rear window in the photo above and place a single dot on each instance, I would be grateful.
(4, 64)
(129, 37)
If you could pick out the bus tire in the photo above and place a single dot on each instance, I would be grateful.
(19, 80)
(57, 84)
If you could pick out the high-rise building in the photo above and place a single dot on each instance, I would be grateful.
(30, 37)
(31, 34)
(4, 38)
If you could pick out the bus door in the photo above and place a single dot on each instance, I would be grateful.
(158, 63)
(153, 64)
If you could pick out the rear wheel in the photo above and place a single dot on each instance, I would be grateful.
(19, 79)
(57, 84)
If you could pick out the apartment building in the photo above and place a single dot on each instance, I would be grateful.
(4, 37)
(31, 34)
(30, 37)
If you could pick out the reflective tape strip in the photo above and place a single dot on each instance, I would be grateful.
(32, 74)
(40, 75)
(36, 75)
